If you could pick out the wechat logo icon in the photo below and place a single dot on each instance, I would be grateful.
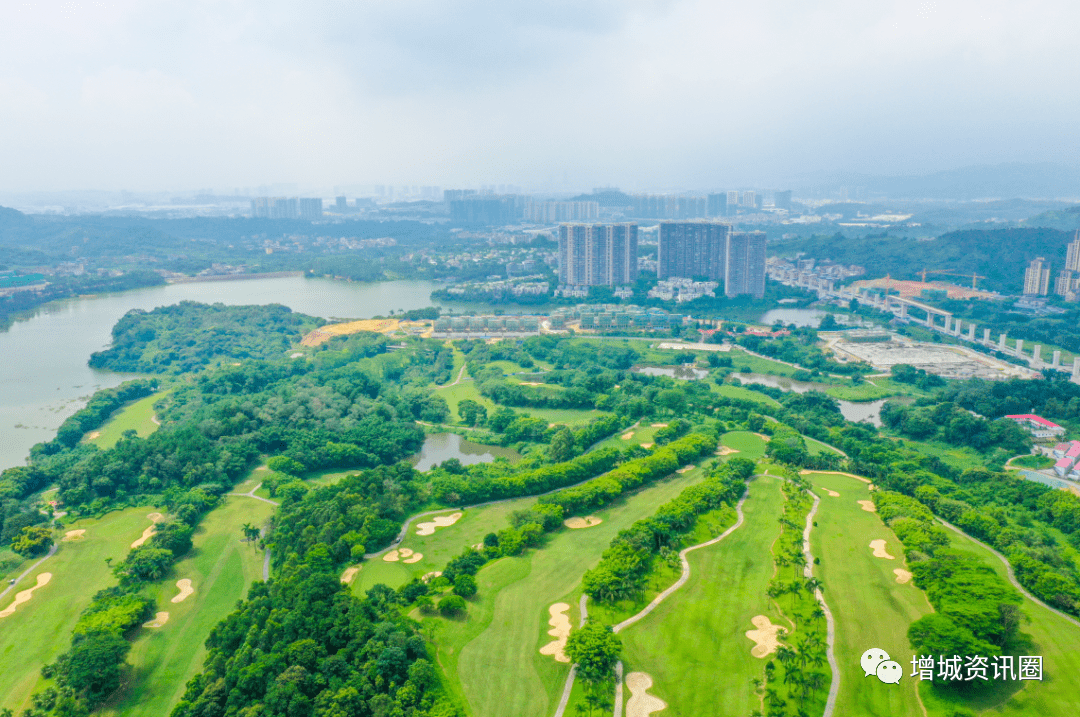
(876, 661)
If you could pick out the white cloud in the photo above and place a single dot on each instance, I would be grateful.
(682, 93)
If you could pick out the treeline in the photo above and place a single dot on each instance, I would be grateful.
(957, 426)
(92, 667)
(67, 287)
(624, 566)
(100, 408)
(1056, 397)
(663, 461)
(190, 336)
(976, 611)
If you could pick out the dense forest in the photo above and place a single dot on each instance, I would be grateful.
(190, 336)
(1000, 255)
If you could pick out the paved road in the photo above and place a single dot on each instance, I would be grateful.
(1012, 575)
(830, 624)
(32, 568)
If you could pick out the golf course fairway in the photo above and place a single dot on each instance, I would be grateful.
(694, 644)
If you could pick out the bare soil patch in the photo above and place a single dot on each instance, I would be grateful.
(578, 523)
(439, 521)
(641, 703)
(560, 630)
(766, 636)
(878, 546)
(185, 588)
(159, 620)
(25, 595)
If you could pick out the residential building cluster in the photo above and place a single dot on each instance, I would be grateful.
(598, 254)
(1067, 463)
(555, 212)
(1038, 426)
(1067, 282)
(808, 273)
(613, 316)
(485, 326)
(682, 290)
(287, 208)
(521, 286)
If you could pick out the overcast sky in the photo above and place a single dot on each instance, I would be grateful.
(643, 94)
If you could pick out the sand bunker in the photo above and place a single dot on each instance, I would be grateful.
(92, 435)
(832, 493)
(766, 636)
(578, 523)
(902, 576)
(159, 620)
(868, 506)
(641, 703)
(628, 435)
(392, 556)
(414, 558)
(73, 535)
(560, 630)
(349, 574)
(879, 550)
(871, 486)
(686, 469)
(155, 518)
(763, 437)
(404, 552)
(659, 425)
(646, 445)
(725, 451)
(186, 591)
(439, 521)
(431, 576)
(24, 596)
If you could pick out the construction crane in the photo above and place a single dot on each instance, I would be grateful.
(974, 277)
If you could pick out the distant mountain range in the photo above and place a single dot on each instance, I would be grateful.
(1001, 181)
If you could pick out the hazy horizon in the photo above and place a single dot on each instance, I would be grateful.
(677, 94)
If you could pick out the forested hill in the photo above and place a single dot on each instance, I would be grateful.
(190, 336)
(998, 254)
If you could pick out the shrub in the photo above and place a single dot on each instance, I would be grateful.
(452, 605)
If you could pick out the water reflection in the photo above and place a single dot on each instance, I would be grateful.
(686, 373)
(444, 446)
(852, 410)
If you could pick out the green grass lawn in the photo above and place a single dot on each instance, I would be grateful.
(1032, 461)
(567, 416)
(221, 567)
(645, 433)
(747, 444)
(1049, 635)
(870, 607)
(440, 547)
(745, 394)
(694, 645)
(40, 630)
(453, 395)
(814, 446)
(136, 416)
(871, 390)
(741, 359)
(960, 457)
(492, 658)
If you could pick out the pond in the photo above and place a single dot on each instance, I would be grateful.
(444, 446)
(852, 410)
(686, 373)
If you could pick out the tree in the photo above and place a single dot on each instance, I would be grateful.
(452, 605)
(465, 585)
(32, 541)
(562, 446)
(146, 563)
(471, 412)
(251, 533)
(595, 649)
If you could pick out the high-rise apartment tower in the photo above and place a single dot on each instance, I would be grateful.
(1037, 277)
(689, 249)
(597, 254)
(744, 264)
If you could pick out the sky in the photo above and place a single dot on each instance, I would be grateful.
(564, 95)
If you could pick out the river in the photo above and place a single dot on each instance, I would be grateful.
(43, 373)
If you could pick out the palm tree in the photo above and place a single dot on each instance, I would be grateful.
(817, 613)
(800, 562)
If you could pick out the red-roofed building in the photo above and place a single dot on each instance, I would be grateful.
(1039, 426)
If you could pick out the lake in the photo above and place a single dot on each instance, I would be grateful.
(43, 373)
(852, 410)
(444, 446)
